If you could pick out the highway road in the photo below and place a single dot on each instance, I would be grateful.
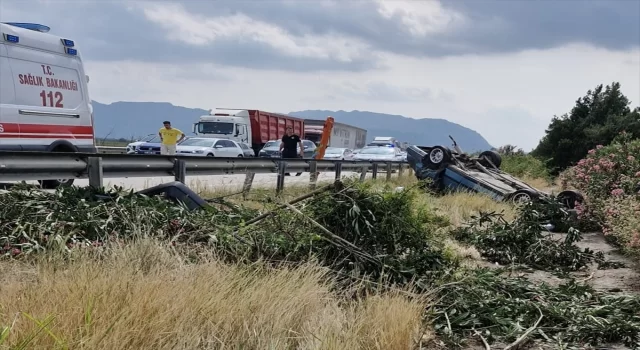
(218, 182)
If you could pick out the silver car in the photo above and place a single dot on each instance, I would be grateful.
(336, 153)
(248, 151)
(380, 153)
(209, 147)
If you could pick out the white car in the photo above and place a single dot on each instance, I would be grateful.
(133, 146)
(381, 154)
(209, 147)
(336, 153)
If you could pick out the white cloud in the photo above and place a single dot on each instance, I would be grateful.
(203, 30)
(421, 18)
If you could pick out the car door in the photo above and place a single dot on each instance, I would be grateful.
(231, 149)
(219, 149)
(235, 150)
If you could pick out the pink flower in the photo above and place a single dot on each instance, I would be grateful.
(15, 251)
(592, 151)
(599, 146)
(617, 192)
(631, 158)
(638, 174)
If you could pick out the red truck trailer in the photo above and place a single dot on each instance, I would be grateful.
(250, 126)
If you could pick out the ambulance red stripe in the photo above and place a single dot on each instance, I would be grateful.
(28, 130)
(47, 136)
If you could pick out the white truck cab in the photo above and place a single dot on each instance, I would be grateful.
(231, 124)
(44, 98)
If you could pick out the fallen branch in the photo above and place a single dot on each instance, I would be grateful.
(293, 201)
(332, 236)
(524, 336)
(484, 341)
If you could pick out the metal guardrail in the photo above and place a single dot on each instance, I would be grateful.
(19, 166)
(111, 150)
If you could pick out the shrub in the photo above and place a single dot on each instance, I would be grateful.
(609, 178)
(520, 164)
(364, 230)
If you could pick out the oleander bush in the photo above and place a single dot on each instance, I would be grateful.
(609, 178)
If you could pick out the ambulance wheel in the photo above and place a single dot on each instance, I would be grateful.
(53, 184)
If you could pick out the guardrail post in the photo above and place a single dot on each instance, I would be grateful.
(400, 169)
(94, 170)
(180, 170)
(374, 171)
(389, 169)
(363, 173)
(282, 169)
(313, 174)
(338, 170)
(248, 181)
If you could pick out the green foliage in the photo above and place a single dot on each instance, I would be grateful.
(523, 241)
(385, 225)
(524, 165)
(502, 308)
(372, 232)
(596, 119)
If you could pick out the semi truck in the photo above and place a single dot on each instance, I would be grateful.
(342, 135)
(249, 126)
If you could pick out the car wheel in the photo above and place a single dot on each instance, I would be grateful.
(437, 156)
(570, 198)
(493, 156)
(521, 197)
(210, 155)
(240, 156)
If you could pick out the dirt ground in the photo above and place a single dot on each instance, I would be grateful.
(621, 280)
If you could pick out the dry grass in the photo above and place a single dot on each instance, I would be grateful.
(459, 207)
(144, 296)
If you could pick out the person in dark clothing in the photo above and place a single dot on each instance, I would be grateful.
(289, 146)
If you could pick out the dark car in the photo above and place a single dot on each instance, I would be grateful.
(454, 170)
(271, 149)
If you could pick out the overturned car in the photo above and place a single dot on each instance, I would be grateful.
(454, 170)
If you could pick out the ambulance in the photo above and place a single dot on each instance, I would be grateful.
(44, 99)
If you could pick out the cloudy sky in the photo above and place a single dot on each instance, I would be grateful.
(501, 67)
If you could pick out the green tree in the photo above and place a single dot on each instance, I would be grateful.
(596, 119)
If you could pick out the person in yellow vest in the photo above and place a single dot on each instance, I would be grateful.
(169, 138)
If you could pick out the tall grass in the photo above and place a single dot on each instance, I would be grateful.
(146, 296)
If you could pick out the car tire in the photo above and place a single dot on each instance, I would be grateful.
(210, 155)
(523, 196)
(493, 156)
(569, 198)
(437, 157)
(240, 156)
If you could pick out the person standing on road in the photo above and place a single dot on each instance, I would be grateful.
(289, 146)
(169, 138)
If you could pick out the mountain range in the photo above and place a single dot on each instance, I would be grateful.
(133, 120)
